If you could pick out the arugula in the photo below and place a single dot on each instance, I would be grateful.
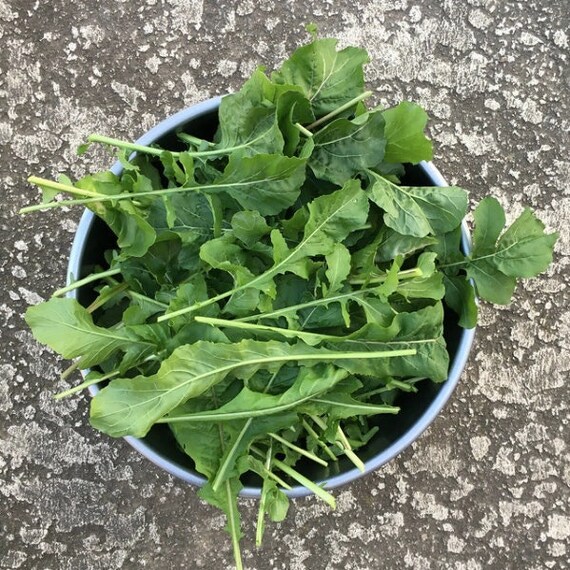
(272, 289)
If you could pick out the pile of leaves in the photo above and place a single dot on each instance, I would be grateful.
(274, 289)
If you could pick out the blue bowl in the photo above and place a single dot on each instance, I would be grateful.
(396, 433)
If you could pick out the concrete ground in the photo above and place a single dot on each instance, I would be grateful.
(487, 486)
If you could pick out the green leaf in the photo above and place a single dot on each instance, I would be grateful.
(329, 78)
(419, 211)
(249, 404)
(460, 296)
(489, 218)
(429, 285)
(249, 227)
(222, 253)
(338, 267)
(268, 183)
(193, 221)
(448, 247)
(248, 122)
(130, 406)
(66, 327)
(492, 285)
(343, 148)
(421, 329)
(392, 244)
(134, 234)
(339, 406)
(524, 250)
(292, 108)
(404, 131)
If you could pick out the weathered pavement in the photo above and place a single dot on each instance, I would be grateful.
(488, 485)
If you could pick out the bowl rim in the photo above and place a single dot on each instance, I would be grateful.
(395, 448)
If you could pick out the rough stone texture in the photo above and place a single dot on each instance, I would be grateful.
(488, 485)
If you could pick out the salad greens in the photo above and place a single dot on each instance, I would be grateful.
(276, 288)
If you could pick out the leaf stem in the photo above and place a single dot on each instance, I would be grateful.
(339, 110)
(104, 297)
(319, 441)
(347, 448)
(86, 281)
(312, 338)
(406, 274)
(269, 473)
(260, 524)
(85, 384)
(305, 131)
(298, 449)
(311, 485)
(193, 140)
(127, 145)
(51, 184)
(69, 370)
(405, 386)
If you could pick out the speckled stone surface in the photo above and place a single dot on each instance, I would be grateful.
(488, 485)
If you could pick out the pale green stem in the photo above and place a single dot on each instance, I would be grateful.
(394, 384)
(340, 109)
(140, 296)
(298, 449)
(406, 274)
(289, 333)
(273, 476)
(294, 474)
(347, 448)
(43, 182)
(302, 129)
(260, 524)
(318, 421)
(128, 145)
(102, 299)
(86, 281)
(342, 442)
(69, 371)
(85, 384)
(316, 437)
(193, 140)
(319, 491)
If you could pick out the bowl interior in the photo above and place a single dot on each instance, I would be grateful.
(160, 444)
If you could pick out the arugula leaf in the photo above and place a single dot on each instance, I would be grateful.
(66, 327)
(404, 132)
(460, 296)
(249, 227)
(248, 124)
(343, 148)
(338, 267)
(130, 406)
(418, 211)
(523, 250)
(249, 404)
(292, 108)
(329, 78)
(421, 329)
(331, 219)
(268, 183)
